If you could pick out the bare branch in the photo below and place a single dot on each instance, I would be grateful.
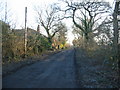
(49, 19)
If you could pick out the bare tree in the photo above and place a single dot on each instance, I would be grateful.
(86, 15)
(48, 18)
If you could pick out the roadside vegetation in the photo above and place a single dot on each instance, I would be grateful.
(101, 45)
(13, 43)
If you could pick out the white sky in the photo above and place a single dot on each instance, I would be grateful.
(16, 12)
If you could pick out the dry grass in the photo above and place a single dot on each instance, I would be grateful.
(94, 71)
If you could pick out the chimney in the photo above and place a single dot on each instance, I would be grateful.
(38, 28)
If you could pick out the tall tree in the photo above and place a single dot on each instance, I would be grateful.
(49, 20)
(85, 14)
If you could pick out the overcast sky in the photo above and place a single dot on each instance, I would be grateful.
(16, 12)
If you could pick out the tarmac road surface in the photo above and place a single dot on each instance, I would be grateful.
(58, 71)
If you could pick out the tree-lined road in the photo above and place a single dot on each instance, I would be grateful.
(56, 72)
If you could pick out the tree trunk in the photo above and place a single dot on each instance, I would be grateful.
(50, 41)
(86, 40)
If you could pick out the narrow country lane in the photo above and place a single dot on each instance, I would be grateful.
(56, 72)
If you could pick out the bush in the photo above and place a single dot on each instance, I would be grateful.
(13, 44)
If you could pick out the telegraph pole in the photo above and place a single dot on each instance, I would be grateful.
(6, 12)
(25, 35)
(116, 35)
